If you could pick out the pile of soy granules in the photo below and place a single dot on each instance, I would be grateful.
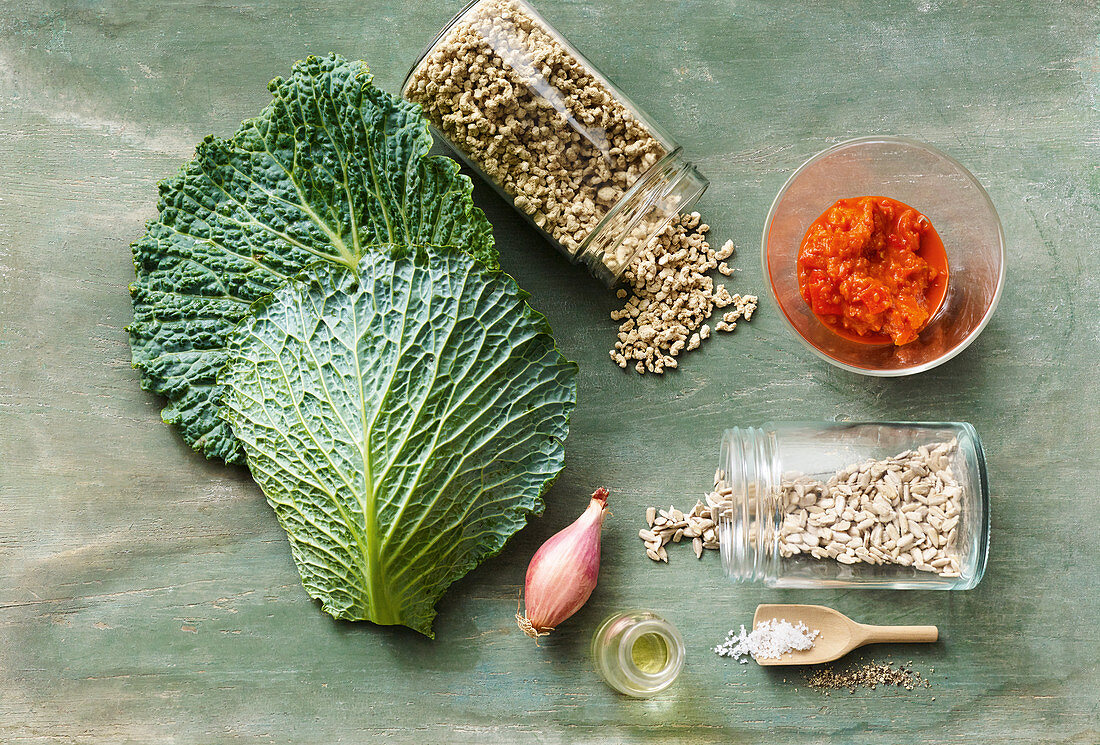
(673, 296)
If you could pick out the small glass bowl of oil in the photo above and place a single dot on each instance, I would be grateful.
(638, 653)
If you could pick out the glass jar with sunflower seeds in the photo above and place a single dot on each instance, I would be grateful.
(871, 505)
(520, 105)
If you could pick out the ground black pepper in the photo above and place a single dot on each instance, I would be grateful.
(866, 675)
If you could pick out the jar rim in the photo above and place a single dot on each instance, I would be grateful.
(751, 468)
(663, 178)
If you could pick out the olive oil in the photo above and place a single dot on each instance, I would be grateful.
(650, 653)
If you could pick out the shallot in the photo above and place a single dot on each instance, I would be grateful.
(563, 572)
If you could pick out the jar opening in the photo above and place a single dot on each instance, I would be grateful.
(671, 186)
(747, 525)
(649, 653)
(646, 654)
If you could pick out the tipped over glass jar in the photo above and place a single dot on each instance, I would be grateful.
(520, 105)
(868, 505)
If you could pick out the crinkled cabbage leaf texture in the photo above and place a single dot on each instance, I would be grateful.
(402, 420)
(332, 167)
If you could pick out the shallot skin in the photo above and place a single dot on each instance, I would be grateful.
(563, 572)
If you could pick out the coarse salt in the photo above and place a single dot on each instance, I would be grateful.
(769, 640)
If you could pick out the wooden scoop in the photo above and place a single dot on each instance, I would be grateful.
(839, 634)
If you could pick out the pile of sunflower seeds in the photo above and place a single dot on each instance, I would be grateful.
(672, 297)
(902, 510)
(672, 526)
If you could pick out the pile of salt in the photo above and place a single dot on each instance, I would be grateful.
(769, 640)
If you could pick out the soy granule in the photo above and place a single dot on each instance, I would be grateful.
(672, 297)
(770, 640)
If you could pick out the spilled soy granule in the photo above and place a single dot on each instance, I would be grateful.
(672, 298)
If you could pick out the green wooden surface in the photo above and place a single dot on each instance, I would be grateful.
(149, 596)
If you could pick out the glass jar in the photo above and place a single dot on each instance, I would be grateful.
(527, 111)
(638, 653)
(901, 505)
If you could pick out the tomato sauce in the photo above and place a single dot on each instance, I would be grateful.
(873, 270)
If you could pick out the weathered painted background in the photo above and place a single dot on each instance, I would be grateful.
(148, 596)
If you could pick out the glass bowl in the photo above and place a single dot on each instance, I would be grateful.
(932, 183)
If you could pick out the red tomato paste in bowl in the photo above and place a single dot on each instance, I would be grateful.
(873, 270)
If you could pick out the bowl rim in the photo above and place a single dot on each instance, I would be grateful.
(901, 371)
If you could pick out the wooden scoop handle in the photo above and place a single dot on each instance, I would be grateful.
(880, 634)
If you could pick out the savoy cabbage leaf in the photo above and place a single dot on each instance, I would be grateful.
(332, 167)
(402, 421)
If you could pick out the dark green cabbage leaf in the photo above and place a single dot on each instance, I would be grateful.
(332, 167)
(402, 420)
